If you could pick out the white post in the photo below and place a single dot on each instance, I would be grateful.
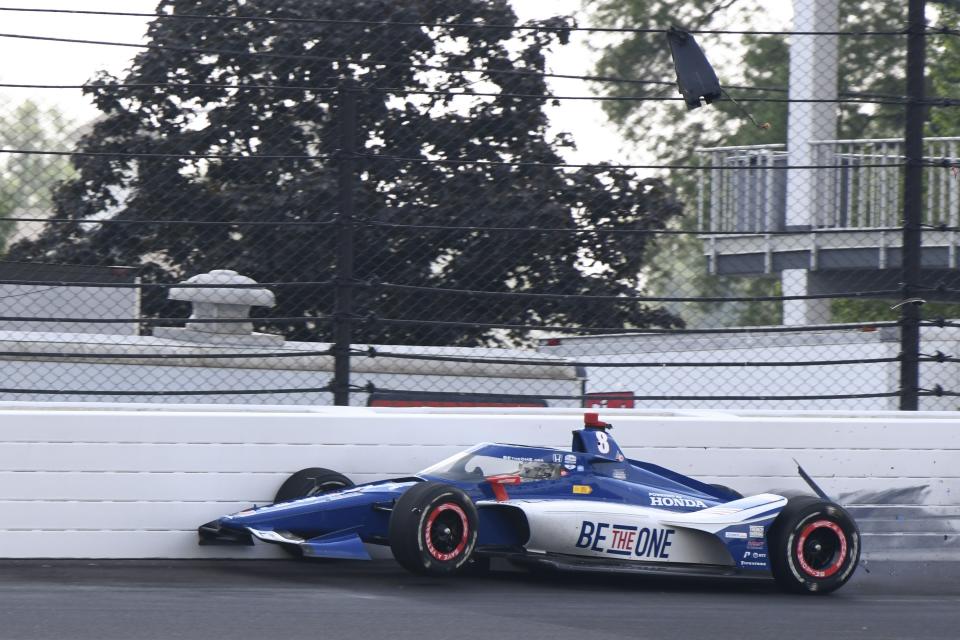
(797, 282)
(813, 75)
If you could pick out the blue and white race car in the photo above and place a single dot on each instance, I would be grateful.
(589, 508)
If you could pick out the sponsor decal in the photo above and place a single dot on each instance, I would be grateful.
(625, 540)
(620, 474)
(579, 467)
(735, 535)
(582, 489)
(756, 544)
(570, 461)
(747, 563)
(519, 459)
(673, 500)
(756, 531)
(756, 555)
(557, 458)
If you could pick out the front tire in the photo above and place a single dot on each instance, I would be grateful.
(314, 481)
(306, 483)
(433, 529)
(814, 546)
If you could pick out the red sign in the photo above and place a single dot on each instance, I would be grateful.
(610, 400)
(386, 402)
(439, 399)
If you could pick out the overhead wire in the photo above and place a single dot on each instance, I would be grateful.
(614, 230)
(165, 285)
(572, 362)
(369, 63)
(165, 156)
(447, 161)
(375, 320)
(164, 356)
(426, 357)
(866, 326)
(154, 392)
(660, 398)
(148, 320)
(191, 223)
(361, 222)
(854, 99)
(390, 286)
(443, 25)
(602, 167)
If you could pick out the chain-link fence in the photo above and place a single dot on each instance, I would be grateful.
(366, 203)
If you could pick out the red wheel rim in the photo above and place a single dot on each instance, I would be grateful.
(814, 561)
(444, 531)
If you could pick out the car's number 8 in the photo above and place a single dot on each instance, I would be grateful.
(603, 442)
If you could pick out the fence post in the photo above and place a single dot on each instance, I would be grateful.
(344, 279)
(913, 208)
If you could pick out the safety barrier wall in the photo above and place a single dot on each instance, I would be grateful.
(134, 481)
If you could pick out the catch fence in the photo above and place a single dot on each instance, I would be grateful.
(374, 209)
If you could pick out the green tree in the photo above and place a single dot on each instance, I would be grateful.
(287, 134)
(944, 73)
(27, 181)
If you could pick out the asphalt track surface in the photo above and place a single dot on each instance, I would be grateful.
(289, 600)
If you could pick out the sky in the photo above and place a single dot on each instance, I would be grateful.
(65, 63)
(50, 62)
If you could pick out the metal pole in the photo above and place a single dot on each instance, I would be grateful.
(343, 307)
(913, 208)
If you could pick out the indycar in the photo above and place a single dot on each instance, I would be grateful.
(589, 509)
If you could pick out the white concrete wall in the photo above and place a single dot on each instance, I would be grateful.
(43, 301)
(748, 380)
(134, 481)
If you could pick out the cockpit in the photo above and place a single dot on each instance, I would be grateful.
(482, 462)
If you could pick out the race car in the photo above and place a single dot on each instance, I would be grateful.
(589, 508)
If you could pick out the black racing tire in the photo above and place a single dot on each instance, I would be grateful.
(727, 489)
(814, 546)
(433, 529)
(314, 481)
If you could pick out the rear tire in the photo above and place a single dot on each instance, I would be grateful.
(433, 529)
(305, 483)
(814, 546)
